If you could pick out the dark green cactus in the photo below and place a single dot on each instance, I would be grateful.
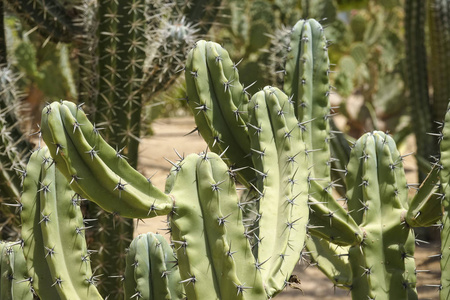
(417, 80)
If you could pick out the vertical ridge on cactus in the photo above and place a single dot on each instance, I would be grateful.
(383, 264)
(211, 225)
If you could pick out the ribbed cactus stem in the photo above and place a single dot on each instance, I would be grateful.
(152, 272)
(279, 157)
(207, 224)
(445, 227)
(383, 264)
(306, 83)
(439, 30)
(53, 233)
(219, 102)
(15, 282)
(417, 78)
(94, 169)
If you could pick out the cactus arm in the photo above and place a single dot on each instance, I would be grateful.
(151, 270)
(34, 250)
(279, 157)
(63, 233)
(340, 153)
(127, 98)
(77, 162)
(306, 81)
(211, 225)
(425, 208)
(381, 265)
(331, 259)
(14, 275)
(329, 220)
(219, 103)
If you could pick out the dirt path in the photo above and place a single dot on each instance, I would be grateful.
(170, 135)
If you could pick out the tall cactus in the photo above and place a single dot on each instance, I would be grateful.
(14, 282)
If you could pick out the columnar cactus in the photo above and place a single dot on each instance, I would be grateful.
(445, 227)
(53, 233)
(383, 264)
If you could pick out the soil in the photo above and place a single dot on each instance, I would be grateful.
(170, 135)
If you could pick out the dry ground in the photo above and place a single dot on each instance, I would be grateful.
(170, 135)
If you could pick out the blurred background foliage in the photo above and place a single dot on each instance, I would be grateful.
(367, 50)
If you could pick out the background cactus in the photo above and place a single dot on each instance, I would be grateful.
(420, 17)
(13, 153)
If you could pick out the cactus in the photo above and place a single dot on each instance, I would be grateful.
(94, 169)
(383, 265)
(14, 283)
(53, 233)
(432, 106)
(444, 177)
(13, 153)
(417, 79)
(152, 271)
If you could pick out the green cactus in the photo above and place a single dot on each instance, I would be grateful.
(383, 265)
(14, 283)
(94, 169)
(152, 271)
(331, 259)
(53, 233)
(417, 79)
(209, 221)
(444, 177)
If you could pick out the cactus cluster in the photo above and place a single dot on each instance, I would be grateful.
(275, 143)
(126, 53)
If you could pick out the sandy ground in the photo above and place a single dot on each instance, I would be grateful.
(170, 136)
